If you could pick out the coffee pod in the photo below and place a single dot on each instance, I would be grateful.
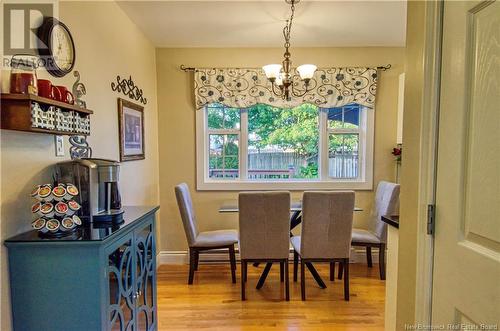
(71, 191)
(47, 210)
(45, 193)
(73, 207)
(39, 225)
(61, 208)
(67, 224)
(59, 192)
(52, 225)
(77, 220)
(34, 193)
(35, 209)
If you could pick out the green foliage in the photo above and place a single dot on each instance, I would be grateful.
(293, 128)
(310, 171)
(221, 117)
(343, 143)
(223, 151)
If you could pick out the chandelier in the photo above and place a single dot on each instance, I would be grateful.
(280, 75)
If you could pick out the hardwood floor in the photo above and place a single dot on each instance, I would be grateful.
(213, 302)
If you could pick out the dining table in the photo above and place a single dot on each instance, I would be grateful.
(231, 206)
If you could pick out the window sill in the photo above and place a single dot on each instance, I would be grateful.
(229, 185)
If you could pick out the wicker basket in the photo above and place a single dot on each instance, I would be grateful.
(65, 121)
(82, 124)
(44, 119)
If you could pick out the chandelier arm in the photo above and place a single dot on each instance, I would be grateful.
(298, 94)
(280, 94)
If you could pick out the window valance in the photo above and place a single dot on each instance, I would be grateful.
(242, 88)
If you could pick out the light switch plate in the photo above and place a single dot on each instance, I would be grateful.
(59, 142)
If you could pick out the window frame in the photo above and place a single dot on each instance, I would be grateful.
(324, 182)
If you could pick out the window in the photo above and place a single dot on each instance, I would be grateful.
(223, 128)
(264, 147)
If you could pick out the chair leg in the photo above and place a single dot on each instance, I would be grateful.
(381, 261)
(232, 260)
(302, 280)
(341, 269)
(295, 265)
(287, 282)
(196, 260)
(282, 270)
(243, 278)
(369, 256)
(332, 271)
(346, 279)
(191, 265)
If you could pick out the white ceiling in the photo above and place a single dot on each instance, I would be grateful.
(259, 23)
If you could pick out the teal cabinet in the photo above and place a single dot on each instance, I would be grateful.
(104, 278)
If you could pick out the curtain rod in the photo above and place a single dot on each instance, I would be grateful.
(187, 69)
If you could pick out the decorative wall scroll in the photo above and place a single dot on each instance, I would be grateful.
(241, 88)
(79, 91)
(128, 87)
(79, 147)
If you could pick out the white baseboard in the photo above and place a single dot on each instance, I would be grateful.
(358, 255)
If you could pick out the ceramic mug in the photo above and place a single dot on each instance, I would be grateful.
(47, 90)
(65, 95)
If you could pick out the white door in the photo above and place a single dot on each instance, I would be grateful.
(466, 279)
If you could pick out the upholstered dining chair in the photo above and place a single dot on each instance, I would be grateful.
(326, 233)
(386, 203)
(200, 242)
(264, 220)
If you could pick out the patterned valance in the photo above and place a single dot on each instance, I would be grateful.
(241, 88)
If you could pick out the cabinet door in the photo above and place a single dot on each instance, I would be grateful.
(145, 283)
(121, 290)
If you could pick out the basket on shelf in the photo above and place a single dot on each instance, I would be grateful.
(64, 120)
(82, 124)
(40, 118)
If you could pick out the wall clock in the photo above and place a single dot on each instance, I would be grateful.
(57, 46)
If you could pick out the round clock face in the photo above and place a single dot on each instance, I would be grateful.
(62, 48)
(56, 47)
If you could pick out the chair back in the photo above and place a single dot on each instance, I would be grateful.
(386, 203)
(264, 220)
(187, 212)
(326, 224)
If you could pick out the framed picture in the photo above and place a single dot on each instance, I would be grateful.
(131, 127)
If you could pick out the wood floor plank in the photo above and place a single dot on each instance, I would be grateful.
(213, 302)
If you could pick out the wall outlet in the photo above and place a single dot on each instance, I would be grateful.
(59, 142)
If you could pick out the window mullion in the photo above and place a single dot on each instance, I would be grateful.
(323, 144)
(244, 144)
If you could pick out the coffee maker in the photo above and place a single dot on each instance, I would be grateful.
(97, 180)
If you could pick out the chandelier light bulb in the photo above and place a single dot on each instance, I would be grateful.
(306, 71)
(279, 80)
(272, 71)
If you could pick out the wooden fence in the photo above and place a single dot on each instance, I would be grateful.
(285, 165)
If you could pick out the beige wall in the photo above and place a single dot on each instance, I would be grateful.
(107, 44)
(177, 124)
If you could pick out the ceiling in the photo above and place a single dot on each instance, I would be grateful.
(260, 23)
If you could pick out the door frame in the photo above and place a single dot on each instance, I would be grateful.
(428, 160)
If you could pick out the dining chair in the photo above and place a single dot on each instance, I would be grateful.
(386, 203)
(264, 220)
(200, 242)
(326, 233)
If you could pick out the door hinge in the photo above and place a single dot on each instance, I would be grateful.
(431, 219)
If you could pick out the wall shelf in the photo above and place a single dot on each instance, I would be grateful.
(16, 115)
